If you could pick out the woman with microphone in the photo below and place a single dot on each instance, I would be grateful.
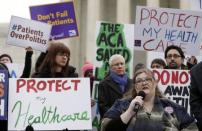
(144, 108)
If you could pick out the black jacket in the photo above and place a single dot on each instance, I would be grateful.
(196, 93)
(165, 115)
(47, 74)
(108, 92)
(28, 65)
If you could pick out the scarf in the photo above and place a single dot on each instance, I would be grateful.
(122, 80)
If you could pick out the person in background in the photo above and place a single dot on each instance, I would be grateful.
(56, 63)
(138, 66)
(174, 58)
(6, 59)
(87, 71)
(158, 63)
(155, 112)
(191, 62)
(196, 94)
(114, 85)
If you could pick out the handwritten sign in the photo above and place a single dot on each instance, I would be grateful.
(25, 33)
(157, 28)
(49, 104)
(175, 85)
(3, 94)
(60, 15)
(113, 39)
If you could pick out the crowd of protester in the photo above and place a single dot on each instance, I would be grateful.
(118, 94)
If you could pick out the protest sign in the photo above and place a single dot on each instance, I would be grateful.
(157, 28)
(113, 39)
(95, 110)
(60, 15)
(15, 69)
(23, 32)
(3, 94)
(175, 85)
(49, 104)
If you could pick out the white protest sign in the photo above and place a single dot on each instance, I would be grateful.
(24, 32)
(157, 28)
(49, 104)
(175, 85)
(15, 69)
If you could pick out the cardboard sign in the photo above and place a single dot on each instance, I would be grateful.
(175, 85)
(49, 104)
(157, 28)
(3, 94)
(113, 39)
(60, 15)
(25, 33)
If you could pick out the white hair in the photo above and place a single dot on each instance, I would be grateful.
(115, 56)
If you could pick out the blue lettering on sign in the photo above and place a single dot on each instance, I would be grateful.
(13, 74)
(152, 32)
(184, 36)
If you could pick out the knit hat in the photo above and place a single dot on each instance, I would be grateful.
(87, 66)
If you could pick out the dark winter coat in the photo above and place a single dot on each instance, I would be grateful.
(196, 93)
(47, 74)
(108, 92)
(165, 115)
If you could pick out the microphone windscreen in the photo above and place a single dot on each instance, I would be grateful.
(142, 94)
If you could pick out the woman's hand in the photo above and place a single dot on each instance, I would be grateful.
(137, 100)
(126, 116)
(29, 49)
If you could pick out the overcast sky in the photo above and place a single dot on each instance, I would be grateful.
(19, 8)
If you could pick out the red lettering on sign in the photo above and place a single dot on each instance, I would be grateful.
(32, 85)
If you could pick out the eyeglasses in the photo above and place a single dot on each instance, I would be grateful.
(175, 56)
(63, 54)
(146, 80)
(117, 64)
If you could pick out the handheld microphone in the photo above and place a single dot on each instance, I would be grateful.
(137, 106)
